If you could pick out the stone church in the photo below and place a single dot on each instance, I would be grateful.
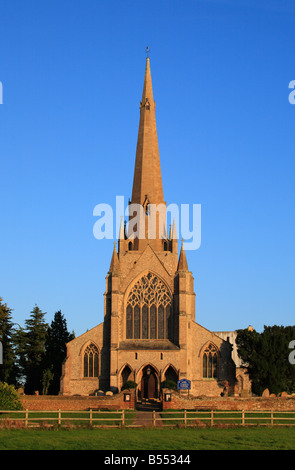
(149, 333)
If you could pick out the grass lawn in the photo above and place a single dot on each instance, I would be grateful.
(255, 438)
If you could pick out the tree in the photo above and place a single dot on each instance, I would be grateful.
(9, 398)
(8, 368)
(35, 335)
(20, 342)
(266, 356)
(46, 380)
(56, 350)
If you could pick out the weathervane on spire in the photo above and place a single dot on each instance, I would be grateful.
(147, 51)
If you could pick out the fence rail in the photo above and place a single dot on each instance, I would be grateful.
(119, 418)
(231, 417)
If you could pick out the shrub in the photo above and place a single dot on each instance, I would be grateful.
(9, 398)
(169, 384)
(129, 385)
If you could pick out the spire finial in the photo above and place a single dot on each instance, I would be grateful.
(147, 51)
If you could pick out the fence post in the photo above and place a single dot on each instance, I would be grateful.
(27, 418)
(154, 418)
(59, 417)
(243, 417)
(212, 417)
(123, 417)
(185, 417)
(271, 417)
(90, 417)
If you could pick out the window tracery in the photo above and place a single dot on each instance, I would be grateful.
(149, 309)
(91, 361)
(210, 362)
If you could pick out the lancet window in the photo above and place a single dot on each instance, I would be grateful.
(91, 361)
(210, 362)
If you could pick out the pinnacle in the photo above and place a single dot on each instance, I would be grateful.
(182, 262)
(115, 265)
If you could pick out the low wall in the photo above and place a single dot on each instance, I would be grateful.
(181, 402)
(118, 402)
(68, 403)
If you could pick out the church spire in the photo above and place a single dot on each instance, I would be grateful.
(147, 182)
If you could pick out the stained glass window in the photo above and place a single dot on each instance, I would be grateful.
(210, 362)
(149, 309)
(91, 363)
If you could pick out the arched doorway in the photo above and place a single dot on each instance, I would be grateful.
(171, 374)
(149, 385)
(126, 374)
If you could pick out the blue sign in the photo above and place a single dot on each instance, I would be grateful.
(184, 384)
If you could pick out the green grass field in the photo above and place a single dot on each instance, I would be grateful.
(255, 438)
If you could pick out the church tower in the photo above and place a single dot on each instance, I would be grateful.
(149, 299)
(149, 334)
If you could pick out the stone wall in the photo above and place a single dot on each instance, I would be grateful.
(182, 402)
(178, 401)
(66, 403)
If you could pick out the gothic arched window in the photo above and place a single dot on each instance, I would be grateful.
(149, 310)
(210, 362)
(91, 356)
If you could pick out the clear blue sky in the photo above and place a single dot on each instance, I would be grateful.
(72, 74)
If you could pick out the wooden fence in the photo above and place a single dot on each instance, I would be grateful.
(230, 417)
(126, 418)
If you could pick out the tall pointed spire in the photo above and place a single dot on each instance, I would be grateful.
(147, 183)
(147, 86)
